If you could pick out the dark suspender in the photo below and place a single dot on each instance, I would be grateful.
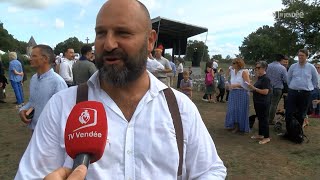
(175, 114)
(82, 95)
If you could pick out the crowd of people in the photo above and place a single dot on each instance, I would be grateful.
(131, 83)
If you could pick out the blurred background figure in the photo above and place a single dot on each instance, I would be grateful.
(221, 85)
(237, 117)
(162, 74)
(186, 84)
(3, 82)
(16, 77)
(277, 74)
(83, 69)
(153, 65)
(179, 72)
(261, 100)
(43, 85)
(172, 74)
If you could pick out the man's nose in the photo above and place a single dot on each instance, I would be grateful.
(110, 42)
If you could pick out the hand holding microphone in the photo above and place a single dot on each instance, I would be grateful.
(67, 174)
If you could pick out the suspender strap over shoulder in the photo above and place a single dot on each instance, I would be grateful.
(177, 123)
(82, 92)
(82, 95)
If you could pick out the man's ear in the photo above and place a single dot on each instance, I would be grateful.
(46, 59)
(151, 40)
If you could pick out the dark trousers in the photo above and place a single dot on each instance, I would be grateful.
(297, 104)
(262, 111)
(205, 96)
(285, 98)
(227, 96)
(180, 77)
(221, 93)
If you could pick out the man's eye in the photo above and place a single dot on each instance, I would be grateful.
(124, 33)
(100, 33)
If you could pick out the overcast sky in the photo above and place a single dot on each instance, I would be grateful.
(53, 21)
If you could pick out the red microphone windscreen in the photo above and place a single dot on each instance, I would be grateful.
(86, 130)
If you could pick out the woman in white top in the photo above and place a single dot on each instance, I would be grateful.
(180, 73)
(237, 117)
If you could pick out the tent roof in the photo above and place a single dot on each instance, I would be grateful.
(174, 34)
(176, 28)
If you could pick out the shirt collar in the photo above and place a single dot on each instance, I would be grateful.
(82, 58)
(45, 74)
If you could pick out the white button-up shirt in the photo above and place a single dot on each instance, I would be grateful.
(143, 148)
(65, 70)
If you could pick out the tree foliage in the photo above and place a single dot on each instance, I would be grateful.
(306, 24)
(267, 41)
(9, 43)
(72, 42)
(297, 26)
(217, 57)
(228, 57)
(199, 47)
(168, 56)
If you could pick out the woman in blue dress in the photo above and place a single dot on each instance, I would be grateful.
(237, 117)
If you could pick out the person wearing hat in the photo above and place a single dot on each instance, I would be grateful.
(162, 75)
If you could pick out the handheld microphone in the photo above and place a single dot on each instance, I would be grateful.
(86, 132)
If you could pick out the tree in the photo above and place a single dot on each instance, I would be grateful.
(267, 41)
(302, 18)
(69, 43)
(217, 57)
(200, 48)
(228, 57)
(9, 43)
(168, 56)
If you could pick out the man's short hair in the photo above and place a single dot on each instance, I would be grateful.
(263, 64)
(279, 57)
(47, 51)
(66, 50)
(85, 49)
(304, 51)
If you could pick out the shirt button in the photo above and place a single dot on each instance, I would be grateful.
(129, 152)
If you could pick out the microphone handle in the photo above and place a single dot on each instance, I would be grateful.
(81, 159)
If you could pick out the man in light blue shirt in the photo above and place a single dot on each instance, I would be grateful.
(278, 76)
(302, 79)
(15, 77)
(43, 85)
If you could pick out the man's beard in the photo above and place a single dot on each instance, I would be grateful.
(117, 75)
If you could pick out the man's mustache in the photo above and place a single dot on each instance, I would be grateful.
(115, 54)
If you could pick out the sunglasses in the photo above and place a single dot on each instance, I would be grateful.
(258, 67)
(234, 63)
(318, 67)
